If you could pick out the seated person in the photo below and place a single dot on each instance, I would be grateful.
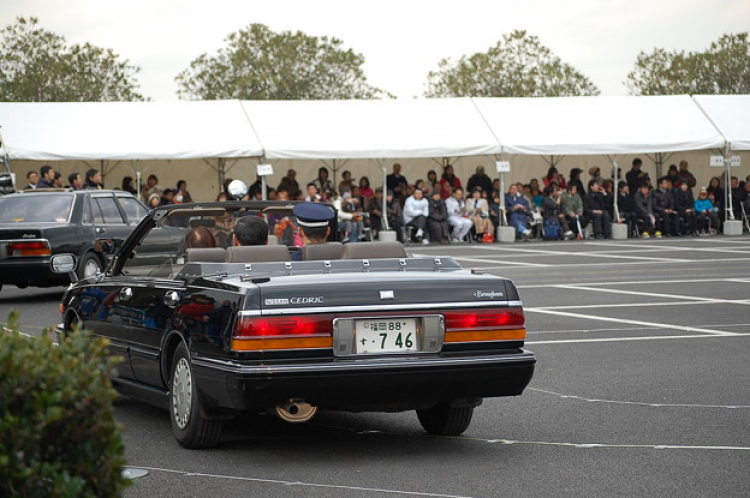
(437, 220)
(626, 207)
(667, 220)
(552, 211)
(684, 204)
(519, 211)
(457, 215)
(416, 211)
(314, 224)
(643, 210)
(596, 210)
(572, 207)
(250, 231)
(479, 213)
(707, 213)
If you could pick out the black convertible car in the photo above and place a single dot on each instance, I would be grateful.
(34, 225)
(212, 332)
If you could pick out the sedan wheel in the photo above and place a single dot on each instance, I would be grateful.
(190, 426)
(89, 267)
(446, 420)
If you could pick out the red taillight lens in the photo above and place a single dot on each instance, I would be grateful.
(29, 248)
(481, 319)
(491, 325)
(283, 332)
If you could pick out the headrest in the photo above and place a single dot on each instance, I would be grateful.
(257, 254)
(325, 252)
(205, 255)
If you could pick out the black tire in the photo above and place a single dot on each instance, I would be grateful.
(446, 420)
(189, 426)
(88, 266)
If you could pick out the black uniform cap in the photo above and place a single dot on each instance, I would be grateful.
(313, 214)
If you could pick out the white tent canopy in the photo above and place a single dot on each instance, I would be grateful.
(598, 125)
(373, 129)
(127, 130)
(731, 115)
(377, 129)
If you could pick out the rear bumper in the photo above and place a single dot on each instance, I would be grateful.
(372, 384)
(34, 272)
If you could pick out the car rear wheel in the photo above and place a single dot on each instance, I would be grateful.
(89, 266)
(189, 425)
(444, 419)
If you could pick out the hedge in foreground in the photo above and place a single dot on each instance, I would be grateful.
(58, 435)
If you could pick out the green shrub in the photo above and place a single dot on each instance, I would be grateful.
(58, 435)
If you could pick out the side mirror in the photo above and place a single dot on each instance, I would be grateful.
(64, 263)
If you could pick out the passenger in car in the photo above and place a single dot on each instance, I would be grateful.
(314, 224)
(250, 231)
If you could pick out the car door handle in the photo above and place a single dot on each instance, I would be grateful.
(101, 230)
(126, 293)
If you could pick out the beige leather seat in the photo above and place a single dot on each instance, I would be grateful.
(205, 255)
(257, 254)
(323, 252)
(374, 250)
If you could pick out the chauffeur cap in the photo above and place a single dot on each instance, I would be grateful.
(312, 214)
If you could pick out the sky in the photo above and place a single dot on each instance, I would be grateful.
(401, 40)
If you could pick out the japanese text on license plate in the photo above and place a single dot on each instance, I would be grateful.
(388, 335)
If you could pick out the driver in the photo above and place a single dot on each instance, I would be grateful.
(314, 224)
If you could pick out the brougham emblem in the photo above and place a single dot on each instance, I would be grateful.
(491, 294)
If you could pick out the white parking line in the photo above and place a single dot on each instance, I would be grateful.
(302, 484)
(652, 294)
(631, 322)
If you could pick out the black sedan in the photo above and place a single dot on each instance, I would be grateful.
(216, 331)
(34, 225)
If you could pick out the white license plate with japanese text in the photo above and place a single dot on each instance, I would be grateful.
(386, 335)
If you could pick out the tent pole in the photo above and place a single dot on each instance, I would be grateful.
(384, 212)
(138, 178)
(728, 211)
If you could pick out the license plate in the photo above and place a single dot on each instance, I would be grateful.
(386, 335)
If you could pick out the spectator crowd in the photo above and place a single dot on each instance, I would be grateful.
(439, 209)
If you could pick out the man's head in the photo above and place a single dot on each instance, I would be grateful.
(458, 193)
(734, 182)
(513, 189)
(93, 176)
(436, 194)
(684, 186)
(251, 231)
(32, 177)
(623, 187)
(593, 185)
(397, 168)
(74, 180)
(418, 193)
(644, 189)
(314, 221)
(291, 174)
(664, 183)
(57, 179)
(683, 165)
(637, 163)
(47, 173)
(480, 170)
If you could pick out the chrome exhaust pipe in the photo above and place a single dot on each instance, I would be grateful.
(295, 411)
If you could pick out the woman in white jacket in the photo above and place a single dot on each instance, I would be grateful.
(416, 210)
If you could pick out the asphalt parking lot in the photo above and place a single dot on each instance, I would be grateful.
(641, 389)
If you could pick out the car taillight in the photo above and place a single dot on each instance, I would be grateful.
(282, 332)
(29, 248)
(482, 325)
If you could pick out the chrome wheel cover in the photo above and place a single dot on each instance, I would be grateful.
(182, 393)
(90, 269)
